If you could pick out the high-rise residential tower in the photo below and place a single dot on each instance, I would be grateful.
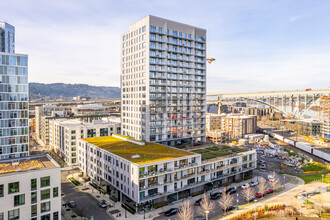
(14, 118)
(163, 82)
(7, 38)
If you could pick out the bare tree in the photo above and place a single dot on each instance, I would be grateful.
(226, 201)
(185, 211)
(248, 194)
(276, 182)
(262, 187)
(206, 206)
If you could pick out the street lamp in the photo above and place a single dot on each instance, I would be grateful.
(255, 209)
(207, 214)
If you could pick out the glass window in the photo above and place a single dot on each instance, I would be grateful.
(45, 206)
(44, 181)
(34, 210)
(55, 192)
(2, 217)
(19, 200)
(13, 214)
(33, 197)
(45, 194)
(55, 216)
(45, 217)
(1, 190)
(33, 184)
(13, 187)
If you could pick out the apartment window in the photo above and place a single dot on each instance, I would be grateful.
(55, 216)
(33, 184)
(55, 192)
(104, 132)
(13, 187)
(33, 197)
(1, 192)
(45, 181)
(19, 200)
(45, 217)
(34, 210)
(45, 206)
(45, 194)
(2, 217)
(13, 214)
(91, 133)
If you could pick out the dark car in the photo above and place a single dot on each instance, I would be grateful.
(216, 195)
(103, 204)
(269, 190)
(228, 209)
(72, 204)
(171, 211)
(200, 217)
(198, 202)
(231, 190)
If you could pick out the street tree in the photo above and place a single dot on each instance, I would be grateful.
(206, 206)
(262, 186)
(276, 181)
(248, 194)
(185, 211)
(226, 201)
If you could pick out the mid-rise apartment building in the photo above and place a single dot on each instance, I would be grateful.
(163, 82)
(14, 118)
(30, 188)
(325, 116)
(138, 173)
(213, 122)
(239, 125)
(90, 109)
(66, 133)
(7, 38)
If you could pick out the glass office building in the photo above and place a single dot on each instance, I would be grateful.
(7, 38)
(14, 117)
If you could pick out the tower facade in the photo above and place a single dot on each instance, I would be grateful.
(7, 38)
(163, 82)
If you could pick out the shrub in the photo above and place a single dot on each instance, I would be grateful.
(197, 193)
(75, 182)
(160, 204)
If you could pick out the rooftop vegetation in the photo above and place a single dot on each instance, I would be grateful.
(217, 151)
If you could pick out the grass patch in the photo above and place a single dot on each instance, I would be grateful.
(217, 151)
(314, 167)
(237, 149)
(290, 153)
(75, 182)
(308, 202)
(309, 177)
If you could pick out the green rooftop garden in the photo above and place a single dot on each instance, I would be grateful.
(217, 151)
(148, 153)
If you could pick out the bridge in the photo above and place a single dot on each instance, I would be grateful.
(302, 100)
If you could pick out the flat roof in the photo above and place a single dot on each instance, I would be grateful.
(24, 164)
(149, 152)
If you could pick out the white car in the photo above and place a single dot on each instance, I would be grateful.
(254, 183)
(245, 185)
(270, 178)
(263, 166)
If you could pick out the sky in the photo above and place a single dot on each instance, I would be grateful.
(259, 45)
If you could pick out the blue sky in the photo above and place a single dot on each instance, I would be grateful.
(258, 45)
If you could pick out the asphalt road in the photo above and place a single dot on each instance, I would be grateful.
(217, 211)
(86, 203)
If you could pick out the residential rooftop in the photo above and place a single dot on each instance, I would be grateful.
(138, 152)
(24, 164)
(217, 151)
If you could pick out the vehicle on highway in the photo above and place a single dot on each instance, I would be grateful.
(215, 196)
(245, 185)
(103, 204)
(259, 194)
(231, 190)
(200, 217)
(72, 204)
(198, 202)
(171, 212)
(229, 208)
(270, 178)
(254, 183)
(269, 190)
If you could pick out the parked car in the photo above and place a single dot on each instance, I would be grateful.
(229, 208)
(103, 204)
(198, 202)
(231, 190)
(171, 212)
(200, 217)
(254, 183)
(263, 166)
(261, 162)
(216, 195)
(259, 194)
(269, 190)
(245, 185)
(72, 204)
(270, 178)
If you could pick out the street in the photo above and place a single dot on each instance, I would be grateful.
(86, 204)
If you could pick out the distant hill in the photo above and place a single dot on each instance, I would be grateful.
(68, 91)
